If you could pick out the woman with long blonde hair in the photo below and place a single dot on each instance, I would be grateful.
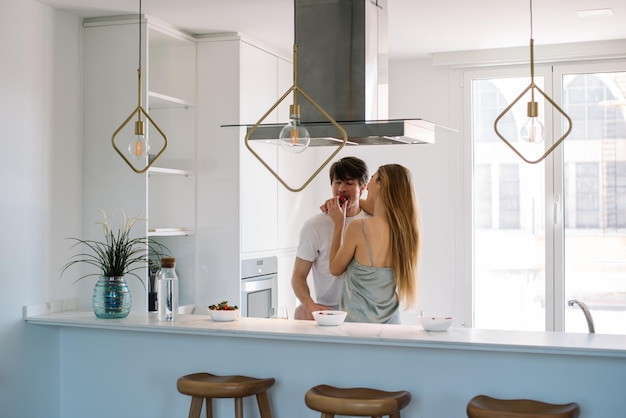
(379, 255)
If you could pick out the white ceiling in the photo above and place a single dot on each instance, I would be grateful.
(416, 27)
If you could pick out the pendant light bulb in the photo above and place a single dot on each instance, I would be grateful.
(294, 137)
(138, 147)
(533, 130)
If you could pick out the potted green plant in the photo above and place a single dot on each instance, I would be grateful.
(117, 256)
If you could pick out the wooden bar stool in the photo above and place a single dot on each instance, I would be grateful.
(358, 402)
(201, 386)
(482, 406)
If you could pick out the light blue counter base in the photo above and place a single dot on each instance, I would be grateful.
(130, 369)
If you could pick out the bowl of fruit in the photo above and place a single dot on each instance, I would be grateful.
(223, 312)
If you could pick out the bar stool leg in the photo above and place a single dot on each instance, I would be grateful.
(196, 407)
(209, 407)
(325, 415)
(264, 405)
(238, 407)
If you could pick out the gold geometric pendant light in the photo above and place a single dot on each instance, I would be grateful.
(138, 148)
(533, 130)
(294, 137)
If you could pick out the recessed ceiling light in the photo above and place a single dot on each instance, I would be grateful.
(595, 12)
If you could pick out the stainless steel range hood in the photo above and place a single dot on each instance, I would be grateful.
(342, 65)
(383, 132)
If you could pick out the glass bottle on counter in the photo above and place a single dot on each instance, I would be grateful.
(167, 290)
(153, 269)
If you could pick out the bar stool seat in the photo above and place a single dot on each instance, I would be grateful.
(359, 402)
(206, 386)
(483, 406)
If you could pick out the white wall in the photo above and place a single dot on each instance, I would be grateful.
(419, 90)
(40, 189)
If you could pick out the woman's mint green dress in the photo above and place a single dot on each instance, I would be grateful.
(369, 293)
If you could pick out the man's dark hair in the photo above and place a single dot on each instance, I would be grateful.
(349, 168)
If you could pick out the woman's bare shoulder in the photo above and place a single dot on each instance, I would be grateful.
(377, 222)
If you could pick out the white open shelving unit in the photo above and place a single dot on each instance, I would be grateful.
(166, 193)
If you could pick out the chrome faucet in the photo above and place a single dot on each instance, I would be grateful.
(586, 311)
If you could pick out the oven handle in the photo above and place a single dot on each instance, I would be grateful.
(258, 283)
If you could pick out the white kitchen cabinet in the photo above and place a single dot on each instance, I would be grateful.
(258, 188)
(166, 194)
(240, 203)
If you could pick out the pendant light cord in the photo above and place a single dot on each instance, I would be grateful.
(531, 19)
(139, 68)
(532, 55)
(139, 35)
(295, 41)
(295, 63)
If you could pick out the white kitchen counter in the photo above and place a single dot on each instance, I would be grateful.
(442, 370)
(354, 333)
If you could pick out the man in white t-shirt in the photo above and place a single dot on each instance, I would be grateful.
(348, 180)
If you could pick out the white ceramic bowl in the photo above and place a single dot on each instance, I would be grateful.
(329, 318)
(436, 323)
(223, 315)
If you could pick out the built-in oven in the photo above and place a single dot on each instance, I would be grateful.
(259, 281)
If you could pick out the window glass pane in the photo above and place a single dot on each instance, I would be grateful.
(615, 194)
(595, 200)
(482, 196)
(587, 208)
(509, 196)
(508, 205)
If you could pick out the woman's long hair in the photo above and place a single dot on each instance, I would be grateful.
(397, 194)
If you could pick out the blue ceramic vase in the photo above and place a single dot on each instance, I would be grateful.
(111, 297)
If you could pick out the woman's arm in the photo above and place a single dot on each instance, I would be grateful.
(341, 253)
(337, 215)
(340, 244)
(367, 205)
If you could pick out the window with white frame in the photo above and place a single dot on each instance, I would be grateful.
(547, 233)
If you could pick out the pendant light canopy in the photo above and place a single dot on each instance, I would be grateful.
(136, 152)
(295, 138)
(533, 131)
